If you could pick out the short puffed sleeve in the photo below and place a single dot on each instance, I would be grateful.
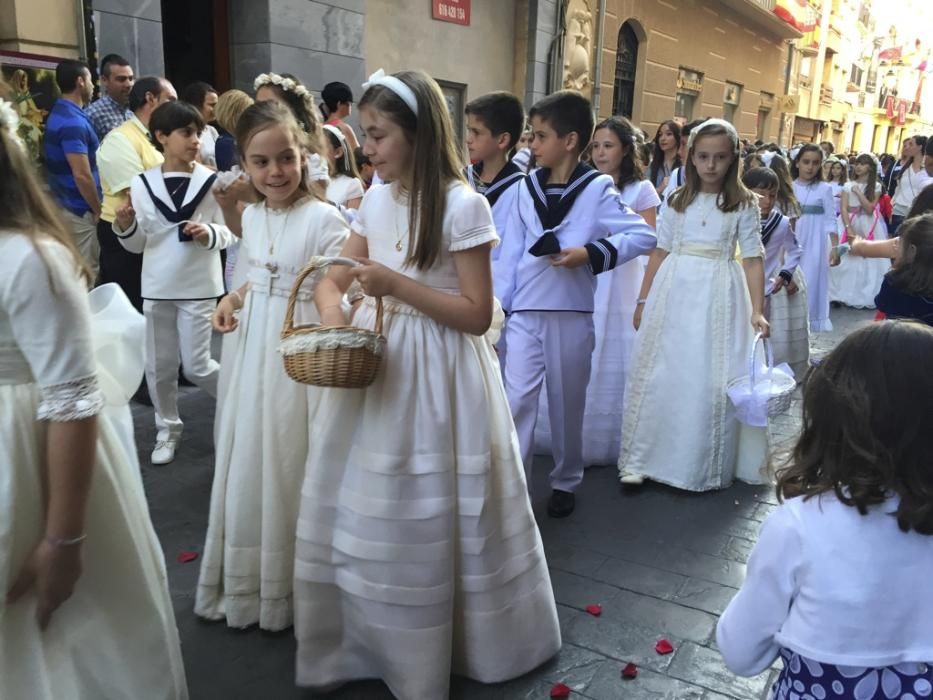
(666, 224)
(749, 233)
(46, 302)
(470, 218)
(646, 197)
(371, 199)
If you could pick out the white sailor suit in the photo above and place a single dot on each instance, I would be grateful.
(181, 281)
(550, 328)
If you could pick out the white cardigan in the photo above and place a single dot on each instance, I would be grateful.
(835, 587)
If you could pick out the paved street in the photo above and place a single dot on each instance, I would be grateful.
(662, 563)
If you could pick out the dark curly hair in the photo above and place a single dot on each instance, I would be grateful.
(631, 168)
(866, 434)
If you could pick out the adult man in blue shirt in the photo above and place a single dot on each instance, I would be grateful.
(71, 158)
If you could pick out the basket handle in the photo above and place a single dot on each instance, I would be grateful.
(316, 264)
(769, 357)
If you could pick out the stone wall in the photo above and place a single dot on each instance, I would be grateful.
(133, 29)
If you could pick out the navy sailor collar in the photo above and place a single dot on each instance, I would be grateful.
(769, 225)
(504, 179)
(552, 216)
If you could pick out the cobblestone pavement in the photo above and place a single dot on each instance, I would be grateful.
(662, 563)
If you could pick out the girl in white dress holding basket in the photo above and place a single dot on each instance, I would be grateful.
(696, 331)
(418, 555)
(261, 426)
(85, 611)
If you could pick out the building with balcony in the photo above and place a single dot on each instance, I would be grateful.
(858, 88)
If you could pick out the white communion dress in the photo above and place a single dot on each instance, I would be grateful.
(116, 634)
(679, 427)
(418, 554)
(261, 425)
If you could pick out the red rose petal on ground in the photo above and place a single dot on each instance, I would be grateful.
(185, 557)
(560, 691)
(663, 647)
(594, 610)
(630, 671)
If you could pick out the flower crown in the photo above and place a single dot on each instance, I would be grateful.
(286, 84)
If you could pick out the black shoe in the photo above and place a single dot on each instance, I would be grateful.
(182, 379)
(561, 504)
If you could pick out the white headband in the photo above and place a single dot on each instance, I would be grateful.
(733, 134)
(343, 143)
(406, 94)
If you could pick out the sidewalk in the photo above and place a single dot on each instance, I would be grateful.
(662, 563)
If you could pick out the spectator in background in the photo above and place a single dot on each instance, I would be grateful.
(111, 109)
(364, 166)
(203, 98)
(911, 180)
(889, 181)
(336, 106)
(828, 149)
(126, 152)
(71, 160)
(230, 106)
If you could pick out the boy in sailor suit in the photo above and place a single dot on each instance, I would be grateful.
(494, 125)
(173, 219)
(569, 224)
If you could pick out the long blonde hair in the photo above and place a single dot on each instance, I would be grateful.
(24, 206)
(435, 161)
(733, 194)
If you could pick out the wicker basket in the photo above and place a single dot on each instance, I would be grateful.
(335, 356)
(758, 398)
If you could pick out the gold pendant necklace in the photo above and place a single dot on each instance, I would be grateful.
(398, 236)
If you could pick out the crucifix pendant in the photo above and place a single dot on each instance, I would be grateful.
(273, 269)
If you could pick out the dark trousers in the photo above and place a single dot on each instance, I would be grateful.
(119, 265)
(896, 222)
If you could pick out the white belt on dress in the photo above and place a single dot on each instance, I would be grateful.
(701, 251)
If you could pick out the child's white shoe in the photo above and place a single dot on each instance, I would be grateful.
(630, 479)
(164, 452)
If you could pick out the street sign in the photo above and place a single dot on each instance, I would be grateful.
(788, 103)
(456, 11)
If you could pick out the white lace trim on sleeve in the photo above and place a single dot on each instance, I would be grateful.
(70, 401)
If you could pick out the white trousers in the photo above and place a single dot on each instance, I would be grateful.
(173, 328)
(556, 346)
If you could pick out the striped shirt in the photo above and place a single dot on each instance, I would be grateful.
(69, 130)
(106, 115)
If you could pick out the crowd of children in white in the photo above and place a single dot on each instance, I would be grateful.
(552, 296)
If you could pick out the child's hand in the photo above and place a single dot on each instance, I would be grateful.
(571, 258)
(224, 319)
(792, 288)
(779, 283)
(126, 215)
(834, 258)
(761, 325)
(198, 231)
(636, 319)
(375, 279)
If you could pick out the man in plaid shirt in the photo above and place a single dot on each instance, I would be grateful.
(116, 81)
